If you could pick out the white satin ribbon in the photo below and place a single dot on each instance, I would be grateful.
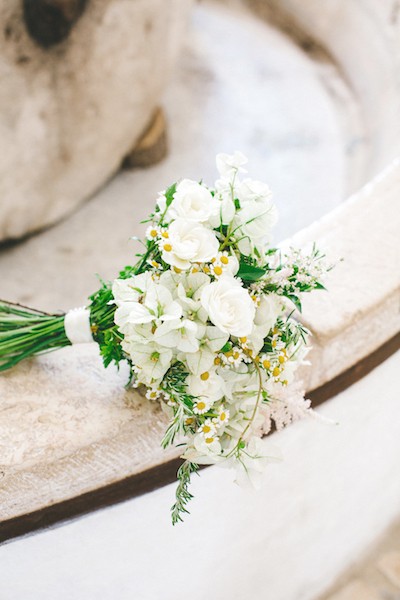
(77, 326)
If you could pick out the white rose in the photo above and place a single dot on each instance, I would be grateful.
(188, 242)
(251, 189)
(229, 306)
(193, 202)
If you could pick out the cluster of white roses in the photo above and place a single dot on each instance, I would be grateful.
(200, 326)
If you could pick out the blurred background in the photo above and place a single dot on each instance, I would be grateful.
(225, 79)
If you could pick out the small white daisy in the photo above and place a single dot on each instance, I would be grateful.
(201, 407)
(207, 429)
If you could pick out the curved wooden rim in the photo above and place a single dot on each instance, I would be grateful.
(161, 475)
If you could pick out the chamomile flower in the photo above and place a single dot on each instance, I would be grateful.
(233, 357)
(153, 393)
(152, 232)
(208, 428)
(201, 406)
(223, 416)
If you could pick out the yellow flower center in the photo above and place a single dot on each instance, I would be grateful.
(281, 359)
(201, 405)
(205, 376)
(195, 270)
(153, 233)
(217, 360)
(209, 440)
(276, 372)
(167, 247)
(266, 364)
(274, 343)
(218, 271)
(206, 270)
(236, 355)
(189, 420)
(177, 270)
(243, 340)
(213, 260)
(222, 416)
(224, 260)
(165, 234)
(206, 429)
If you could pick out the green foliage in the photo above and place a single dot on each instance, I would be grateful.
(104, 330)
(248, 271)
(182, 493)
(169, 194)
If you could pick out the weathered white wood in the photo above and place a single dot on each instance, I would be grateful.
(73, 428)
(362, 309)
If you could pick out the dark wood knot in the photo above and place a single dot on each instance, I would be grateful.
(50, 21)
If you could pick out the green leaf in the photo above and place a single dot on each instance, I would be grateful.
(250, 272)
(169, 194)
(295, 300)
(226, 348)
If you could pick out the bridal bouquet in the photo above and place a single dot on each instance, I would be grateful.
(204, 319)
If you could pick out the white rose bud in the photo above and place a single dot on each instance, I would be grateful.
(188, 242)
(193, 202)
(229, 306)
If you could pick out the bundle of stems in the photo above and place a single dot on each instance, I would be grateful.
(25, 332)
(28, 332)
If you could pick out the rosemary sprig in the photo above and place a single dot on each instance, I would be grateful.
(182, 493)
